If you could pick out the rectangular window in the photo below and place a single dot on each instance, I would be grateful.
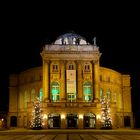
(87, 68)
(55, 68)
(71, 97)
(71, 67)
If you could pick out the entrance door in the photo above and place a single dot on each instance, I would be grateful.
(72, 121)
(89, 121)
(54, 121)
(127, 121)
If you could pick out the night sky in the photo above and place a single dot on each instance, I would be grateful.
(25, 28)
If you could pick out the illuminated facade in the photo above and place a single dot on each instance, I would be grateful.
(70, 85)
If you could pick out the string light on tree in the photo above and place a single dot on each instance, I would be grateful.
(36, 121)
(106, 121)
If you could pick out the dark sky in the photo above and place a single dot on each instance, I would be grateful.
(26, 27)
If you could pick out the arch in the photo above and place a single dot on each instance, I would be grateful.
(13, 121)
(89, 120)
(55, 91)
(54, 120)
(87, 92)
(72, 120)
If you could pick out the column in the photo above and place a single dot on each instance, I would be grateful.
(96, 80)
(79, 81)
(46, 81)
(63, 81)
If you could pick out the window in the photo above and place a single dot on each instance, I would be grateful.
(87, 92)
(71, 67)
(55, 92)
(71, 97)
(25, 99)
(32, 95)
(55, 68)
(41, 94)
(108, 94)
(86, 67)
(101, 93)
(101, 79)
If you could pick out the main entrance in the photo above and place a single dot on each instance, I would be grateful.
(54, 120)
(72, 120)
(89, 120)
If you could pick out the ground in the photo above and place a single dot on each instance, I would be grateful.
(70, 134)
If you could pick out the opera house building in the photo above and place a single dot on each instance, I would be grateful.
(71, 86)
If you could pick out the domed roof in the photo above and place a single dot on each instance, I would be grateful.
(70, 38)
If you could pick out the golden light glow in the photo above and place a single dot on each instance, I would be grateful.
(80, 116)
(62, 116)
(45, 116)
(98, 116)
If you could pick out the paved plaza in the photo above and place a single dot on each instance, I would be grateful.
(23, 134)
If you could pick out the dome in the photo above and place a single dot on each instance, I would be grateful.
(70, 38)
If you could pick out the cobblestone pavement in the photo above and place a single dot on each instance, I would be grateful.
(70, 137)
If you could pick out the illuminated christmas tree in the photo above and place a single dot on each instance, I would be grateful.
(105, 113)
(36, 122)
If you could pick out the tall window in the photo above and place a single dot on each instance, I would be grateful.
(108, 94)
(71, 67)
(87, 92)
(55, 92)
(87, 67)
(25, 99)
(41, 94)
(55, 68)
(101, 93)
(32, 95)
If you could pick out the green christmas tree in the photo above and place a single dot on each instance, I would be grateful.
(36, 121)
(106, 122)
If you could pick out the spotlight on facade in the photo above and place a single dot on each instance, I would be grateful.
(45, 116)
(80, 116)
(62, 116)
(98, 117)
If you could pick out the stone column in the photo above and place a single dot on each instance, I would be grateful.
(63, 81)
(96, 80)
(79, 81)
(46, 81)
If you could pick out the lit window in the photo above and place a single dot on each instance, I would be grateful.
(55, 92)
(108, 94)
(41, 94)
(87, 92)
(71, 97)
(101, 93)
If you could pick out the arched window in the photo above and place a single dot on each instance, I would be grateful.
(101, 93)
(55, 92)
(32, 95)
(108, 94)
(25, 99)
(41, 94)
(87, 92)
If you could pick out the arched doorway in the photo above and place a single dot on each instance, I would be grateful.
(13, 121)
(89, 120)
(72, 120)
(54, 120)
